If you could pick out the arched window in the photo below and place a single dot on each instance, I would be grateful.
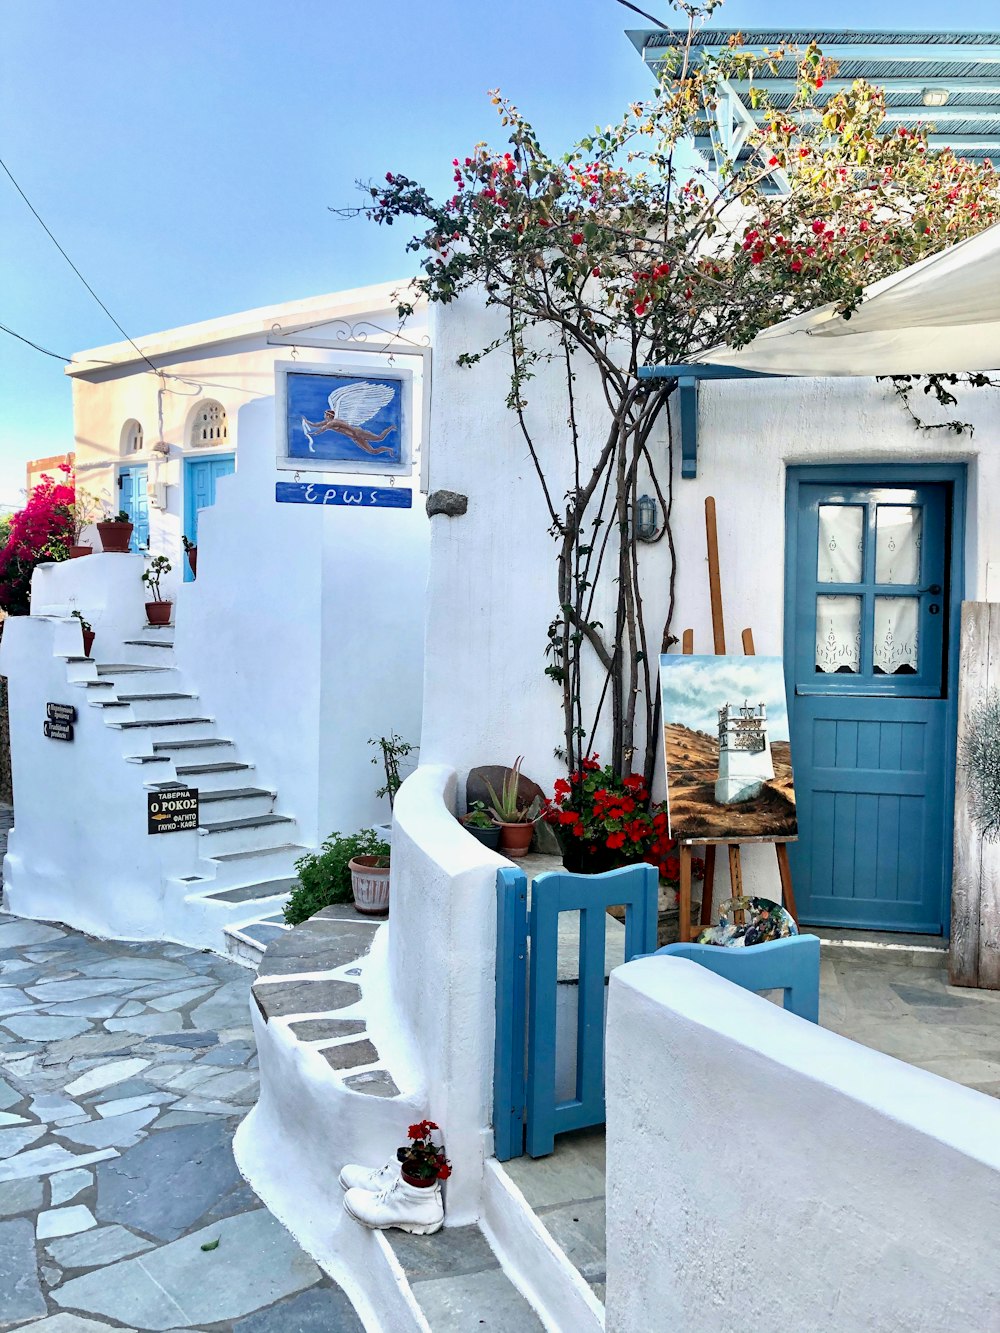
(132, 437)
(210, 426)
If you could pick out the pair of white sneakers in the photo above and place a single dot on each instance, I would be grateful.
(379, 1198)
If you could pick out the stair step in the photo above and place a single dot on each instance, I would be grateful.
(199, 743)
(196, 770)
(163, 722)
(140, 698)
(283, 849)
(146, 759)
(251, 893)
(146, 643)
(122, 668)
(251, 821)
(234, 794)
(97, 684)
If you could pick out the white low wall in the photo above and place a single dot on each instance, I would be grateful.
(768, 1176)
(442, 960)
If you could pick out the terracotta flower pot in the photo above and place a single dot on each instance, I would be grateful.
(115, 537)
(88, 641)
(158, 613)
(192, 555)
(418, 1182)
(515, 839)
(370, 882)
(75, 552)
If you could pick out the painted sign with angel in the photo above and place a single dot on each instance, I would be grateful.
(344, 418)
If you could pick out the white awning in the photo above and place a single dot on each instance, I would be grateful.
(941, 315)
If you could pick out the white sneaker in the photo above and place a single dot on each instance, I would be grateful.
(407, 1207)
(371, 1178)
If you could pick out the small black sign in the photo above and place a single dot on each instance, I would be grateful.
(59, 731)
(173, 811)
(60, 712)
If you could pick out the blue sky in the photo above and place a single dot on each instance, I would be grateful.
(693, 689)
(185, 154)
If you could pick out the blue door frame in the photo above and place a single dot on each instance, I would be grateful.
(200, 476)
(134, 500)
(830, 700)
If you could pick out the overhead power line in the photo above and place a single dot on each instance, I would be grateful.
(38, 348)
(69, 261)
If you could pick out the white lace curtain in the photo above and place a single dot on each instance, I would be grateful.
(895, 644)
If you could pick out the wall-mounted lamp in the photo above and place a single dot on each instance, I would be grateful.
(646, 518)
(936, 96)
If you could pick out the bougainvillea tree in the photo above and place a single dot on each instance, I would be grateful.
(42, 530)
(618, 255)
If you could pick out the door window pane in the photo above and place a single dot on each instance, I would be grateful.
(898, 535)
(838, 635)
(897, 635)
(841, 541)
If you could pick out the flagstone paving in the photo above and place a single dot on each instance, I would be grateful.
(124, 1072)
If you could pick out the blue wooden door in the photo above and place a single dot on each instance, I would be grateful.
(869, 657)
(200, 477)
(135, 502)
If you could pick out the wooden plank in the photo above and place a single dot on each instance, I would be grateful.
(748, 647)
(714, 577)
(684, 896)
(963, 958)
(708, 886)
(687, 642)
(744, 842)
(785, 871)
(989, 874)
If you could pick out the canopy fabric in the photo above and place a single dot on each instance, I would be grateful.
(941, 315)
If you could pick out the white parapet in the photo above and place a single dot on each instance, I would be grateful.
(765, 1174)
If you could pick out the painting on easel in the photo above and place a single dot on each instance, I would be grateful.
(728, 757)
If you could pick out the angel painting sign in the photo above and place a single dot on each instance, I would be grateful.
(344, 421)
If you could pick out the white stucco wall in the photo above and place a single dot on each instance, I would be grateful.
(492, 590)
(766, 1174)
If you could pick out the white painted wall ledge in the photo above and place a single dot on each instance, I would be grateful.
(766, 1174)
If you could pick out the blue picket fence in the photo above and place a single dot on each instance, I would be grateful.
(527, 1111)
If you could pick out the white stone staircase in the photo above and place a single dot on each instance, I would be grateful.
(243, 868)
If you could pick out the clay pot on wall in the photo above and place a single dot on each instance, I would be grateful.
(115, 537)
(158, 613)
(88, 641)
(370, 883)
(192, 555)
(75, 552)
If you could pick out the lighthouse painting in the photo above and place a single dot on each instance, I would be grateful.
(728, 757)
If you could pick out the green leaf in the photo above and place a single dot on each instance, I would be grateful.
(211, 1244)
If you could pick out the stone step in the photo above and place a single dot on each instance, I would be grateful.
(251, 893)
(286, 850)
(201, 770)
(251, 821)
(148, 643)
(124, 668)
(236, 803)
(147, 722)
(233, 794)
(193, 743)
(252, 833)
(209, 778)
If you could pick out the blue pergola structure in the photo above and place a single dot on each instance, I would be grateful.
(949, 81)
(688, 378)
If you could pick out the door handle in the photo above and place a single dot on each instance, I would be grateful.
(933, 588)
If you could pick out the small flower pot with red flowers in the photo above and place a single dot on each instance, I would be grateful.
(422, 1162)
(515, 818)
(116, 533)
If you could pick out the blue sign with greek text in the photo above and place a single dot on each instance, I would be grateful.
(365, 497)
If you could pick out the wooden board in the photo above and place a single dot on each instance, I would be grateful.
(974, 956)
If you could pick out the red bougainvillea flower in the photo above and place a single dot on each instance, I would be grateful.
(577, 238)
(615, 840)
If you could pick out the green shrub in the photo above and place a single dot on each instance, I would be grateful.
(324, 878)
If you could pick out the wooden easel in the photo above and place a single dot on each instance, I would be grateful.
(734, 845)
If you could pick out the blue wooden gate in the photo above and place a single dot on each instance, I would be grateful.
(200, 477)
(527, 1111)
(873, 590)
(135, 502)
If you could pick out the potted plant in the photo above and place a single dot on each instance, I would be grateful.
(158, 610)
(82, 511)
(422, 1162)
(478, 821)
(516, 819)
(115, 532)
(370, 882)
(191, 551)
(325, 875)
(86, 628)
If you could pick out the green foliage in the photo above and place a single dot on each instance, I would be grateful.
(324, 878)
(392, 749)
(478, 816)
(158, 566)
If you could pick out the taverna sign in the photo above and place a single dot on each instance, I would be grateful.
(363, 497)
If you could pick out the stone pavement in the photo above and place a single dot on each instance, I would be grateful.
(124, 1072)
